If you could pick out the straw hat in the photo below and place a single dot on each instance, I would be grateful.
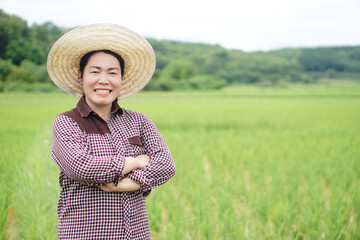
(64, 57)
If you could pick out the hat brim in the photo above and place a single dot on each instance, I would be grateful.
(64, 57)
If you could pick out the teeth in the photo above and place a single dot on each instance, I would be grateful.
(102, 91)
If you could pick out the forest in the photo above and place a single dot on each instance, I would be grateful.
(180, 65)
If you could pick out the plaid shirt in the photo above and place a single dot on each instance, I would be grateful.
(91, 152)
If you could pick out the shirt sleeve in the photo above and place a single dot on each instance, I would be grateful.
(161, 167)
(71, 154)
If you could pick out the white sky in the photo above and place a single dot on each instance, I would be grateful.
(246, 25)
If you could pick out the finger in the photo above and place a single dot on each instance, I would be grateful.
(109, 187)
(104, 188)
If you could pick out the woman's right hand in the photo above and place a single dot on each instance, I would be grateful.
(138, 162)
(143, 161)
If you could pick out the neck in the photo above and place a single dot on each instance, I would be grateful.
(102, 110)
(104, 113)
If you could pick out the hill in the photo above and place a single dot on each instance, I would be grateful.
(180, 65)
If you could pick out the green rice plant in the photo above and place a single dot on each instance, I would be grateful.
(35, 195)
(252, 163)
(24, 154)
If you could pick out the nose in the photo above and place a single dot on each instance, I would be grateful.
(103, 79)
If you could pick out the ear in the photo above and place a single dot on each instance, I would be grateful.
(80, 76)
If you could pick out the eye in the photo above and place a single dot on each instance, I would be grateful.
(94, 72)
(113, 73)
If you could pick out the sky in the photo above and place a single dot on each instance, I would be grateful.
(251, 25)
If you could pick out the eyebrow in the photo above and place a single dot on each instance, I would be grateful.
(112, 68)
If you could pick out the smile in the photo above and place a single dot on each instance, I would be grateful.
(102, 90)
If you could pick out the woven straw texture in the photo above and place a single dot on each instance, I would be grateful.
(64, 57)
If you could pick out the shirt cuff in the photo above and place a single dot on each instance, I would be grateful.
(119, 164)
(138, 176)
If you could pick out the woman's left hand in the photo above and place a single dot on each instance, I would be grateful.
(125, 185)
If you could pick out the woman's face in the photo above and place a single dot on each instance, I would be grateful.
(101, 80)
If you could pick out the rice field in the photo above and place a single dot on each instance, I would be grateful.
(252, 163)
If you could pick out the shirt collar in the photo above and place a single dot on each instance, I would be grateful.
(85, 110)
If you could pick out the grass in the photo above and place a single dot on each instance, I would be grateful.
(252, 163)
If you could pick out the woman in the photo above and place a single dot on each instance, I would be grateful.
(109, 157)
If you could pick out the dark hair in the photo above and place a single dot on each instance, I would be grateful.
(84, 60)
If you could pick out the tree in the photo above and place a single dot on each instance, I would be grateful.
(11, 28)
(218, 62)
(21, 75)
(206, 82)
(178, 69)
(42, 37)
(5, 68)
(17, 51)
(321, 59)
